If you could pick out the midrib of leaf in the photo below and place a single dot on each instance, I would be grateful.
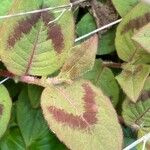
(133, 89)
(67, 97)
(33, 51)
(30, 141)
(142, 115)
(17, 143)
(99, 75)
(77, 60)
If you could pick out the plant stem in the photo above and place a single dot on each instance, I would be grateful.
(112, 64)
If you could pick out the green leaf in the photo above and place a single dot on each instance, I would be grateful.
(5, 109)
(81, 61)
(127, 49)
(103, 78)
(12, 140)
(129, 136)
(34, 93)
(132, 79)
(137, 115)
(33, 127)
(106, 42)
(143, 37)
(79, 114)
(85, 25)
(32, 46)
(124, 6)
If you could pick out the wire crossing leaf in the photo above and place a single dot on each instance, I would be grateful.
(138, 114)
(5, 109)
(4, 9)
(82, 60)
(127, 49)
(79, 114)
(143, 37)
(124, 6)
(32, 46)
(132, 79)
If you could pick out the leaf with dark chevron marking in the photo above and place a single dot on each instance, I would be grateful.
(32, 46)
(127, 49)
(143, 37)
(81, 116)
(137, 115)
(5, 109)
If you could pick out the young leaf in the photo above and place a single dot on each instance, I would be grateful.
(103, 78)
(5, 109)
(143, 37)
(127, 49)
(79, 114)
(32, 46)
(33, 127)
(34, 93)
(81, 61)
(107, 42)
(132, 79)
(137, 114)
(124, 6)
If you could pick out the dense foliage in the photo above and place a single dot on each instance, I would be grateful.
(90, 94)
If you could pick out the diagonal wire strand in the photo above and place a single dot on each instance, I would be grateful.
(43, 10)
(1, 82)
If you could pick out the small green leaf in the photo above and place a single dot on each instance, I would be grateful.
(79, 114)
(103, 78)
(34, 93)
(81, 61)
(33, 127)
(137, 115)
(32, 46)
(127, 49)
(143, 37)
(5, 109)
(132, 79)
(85, 25)
(106, 42)
(124, 6)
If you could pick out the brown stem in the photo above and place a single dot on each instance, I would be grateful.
(112, 64)
(5, 73)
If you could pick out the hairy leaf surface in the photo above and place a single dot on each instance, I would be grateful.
(124, 6)
(143, 37)
(81, 61)
(79, 114)
(127, 49)
(132, 80)
(137, 114)
(32, 46)
(5, 109)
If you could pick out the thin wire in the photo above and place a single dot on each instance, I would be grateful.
(1, 82)
(43, 10)
(144, 144)
(144, 138)
(61, 14)
(98, 30)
